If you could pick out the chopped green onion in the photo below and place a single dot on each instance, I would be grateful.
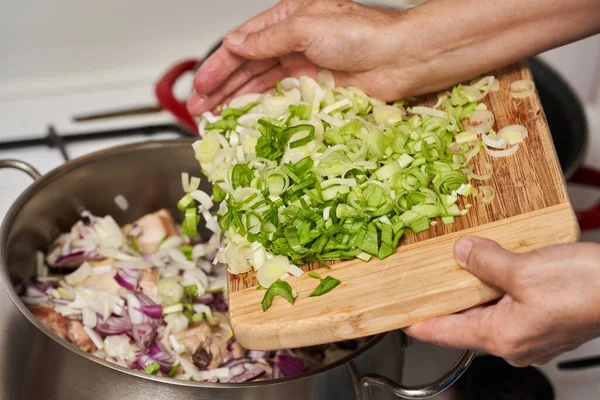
(134, 245)
(313, 274)
(191, 291)
(278, 288)
(152, 369)
(186, 202)
(326, 286)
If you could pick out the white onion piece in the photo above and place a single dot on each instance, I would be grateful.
(210, 117)
(479, 122)
(89, 317)
(499, 143)
(244, 99)
(80, 274)
(513, 133)
(333, 121)
(284, 277)
(203, 198)
(338, 105)
(121, 202)
(325, 79)
(294, 270)
(488, 194)
(290, 83)
(98, 342)
(432, 112)
(521, 89)
(486, 176)
(502, 153)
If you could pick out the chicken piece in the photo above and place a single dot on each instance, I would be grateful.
(194, 336)
(104, 282)
(148, 283)
(78, 337)
(154, 228)
(51, 319)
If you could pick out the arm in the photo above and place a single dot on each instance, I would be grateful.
(390, 54)
(461, 39)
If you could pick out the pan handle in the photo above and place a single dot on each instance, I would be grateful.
(420, 391)
(21, 166)
(167, 100)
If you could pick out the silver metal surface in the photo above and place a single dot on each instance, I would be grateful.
(22, 166)
(37, 364)
(425, 391)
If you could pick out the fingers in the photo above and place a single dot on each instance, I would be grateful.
(220, 65)
(216, 69)
(465, 330)
(285, 37)
(262, 82)
(198, 104)
(488, 261)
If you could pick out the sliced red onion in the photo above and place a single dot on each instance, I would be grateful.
(114, 325)
(128, 278)
(144, 335)
(75, 258)
(289, 365)
(277, 372)
(235, 362)
(153, 311)
(135, 302)
(248, 375)
(61, 302)
(237, 370)
(160, 356)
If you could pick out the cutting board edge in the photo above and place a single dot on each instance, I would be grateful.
(272, 334)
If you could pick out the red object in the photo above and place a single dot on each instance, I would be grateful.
(167, 100)
(590, 218)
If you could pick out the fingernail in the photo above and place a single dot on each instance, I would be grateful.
(462, 248)
(236, 38)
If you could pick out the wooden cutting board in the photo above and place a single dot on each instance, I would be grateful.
(422, 280)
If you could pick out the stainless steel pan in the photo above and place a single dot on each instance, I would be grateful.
(37, 364)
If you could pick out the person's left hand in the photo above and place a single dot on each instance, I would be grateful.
(551, 305)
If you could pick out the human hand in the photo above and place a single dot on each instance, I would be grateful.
(358, 43)
(551, 305)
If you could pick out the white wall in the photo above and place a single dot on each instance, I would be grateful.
(57, 45)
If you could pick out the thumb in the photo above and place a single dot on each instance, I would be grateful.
(285, 37)
(488, 261)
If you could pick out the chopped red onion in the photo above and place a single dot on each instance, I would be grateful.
(114, 325)
(235, 362)
(289, 365)
(143, 335)
(248, 375)
(153, 311)
(135, 303)
(128, 278)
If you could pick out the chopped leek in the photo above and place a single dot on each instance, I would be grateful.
(326, 286)
(315, 173)
(278, 288)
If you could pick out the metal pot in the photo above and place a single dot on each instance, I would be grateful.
(37, 364)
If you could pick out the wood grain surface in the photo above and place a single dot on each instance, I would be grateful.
(422, 279)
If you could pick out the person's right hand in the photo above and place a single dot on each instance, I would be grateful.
(358, 43)
(551, 305)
